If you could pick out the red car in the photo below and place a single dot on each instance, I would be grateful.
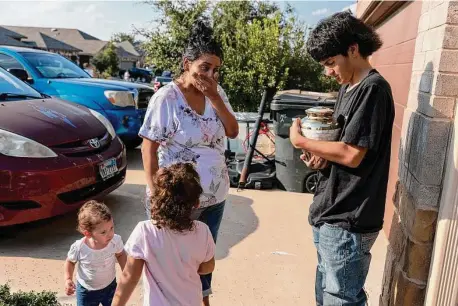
(54, 155)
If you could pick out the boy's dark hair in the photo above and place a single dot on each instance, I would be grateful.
(91, 214)
(201, 41)
(334, 36)
(176, 191)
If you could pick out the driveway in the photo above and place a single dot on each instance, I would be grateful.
(265, 253)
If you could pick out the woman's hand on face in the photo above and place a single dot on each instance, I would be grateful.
(208, 86)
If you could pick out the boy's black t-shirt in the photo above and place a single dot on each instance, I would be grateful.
(354, 198)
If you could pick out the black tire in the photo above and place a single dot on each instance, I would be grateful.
(132, 144)
(311, 182)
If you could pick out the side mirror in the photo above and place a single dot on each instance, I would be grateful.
(21, 74)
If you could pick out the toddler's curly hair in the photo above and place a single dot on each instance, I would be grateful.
(91, 214)
(176, 191)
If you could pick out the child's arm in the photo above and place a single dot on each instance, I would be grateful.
(69, 285)
(207, 267)
(122, 258)
(129, 279)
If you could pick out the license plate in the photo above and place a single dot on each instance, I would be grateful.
(108, 168)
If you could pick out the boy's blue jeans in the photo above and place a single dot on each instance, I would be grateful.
(343, 263)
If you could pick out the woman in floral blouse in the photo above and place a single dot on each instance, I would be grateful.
(188, 121)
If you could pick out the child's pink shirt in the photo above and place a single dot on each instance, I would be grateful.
(172, 259)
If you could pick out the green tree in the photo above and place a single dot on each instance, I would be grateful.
(166, 42)
(122, 36)
(263, 46)
(106, 61)
(253, 60)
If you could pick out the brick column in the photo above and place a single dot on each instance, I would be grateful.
(423, 152)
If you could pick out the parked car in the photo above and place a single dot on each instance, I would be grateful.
(54, 155)
(160, 81)
(144, 75)
(122, 103)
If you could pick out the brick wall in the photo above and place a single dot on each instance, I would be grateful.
(425, 138)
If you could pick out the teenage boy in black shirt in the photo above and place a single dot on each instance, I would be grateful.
(349, 203)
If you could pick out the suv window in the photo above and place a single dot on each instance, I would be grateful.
(8, 62)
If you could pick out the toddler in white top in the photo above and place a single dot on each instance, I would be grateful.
(96, 254)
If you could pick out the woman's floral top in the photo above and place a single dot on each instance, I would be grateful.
(186, 136)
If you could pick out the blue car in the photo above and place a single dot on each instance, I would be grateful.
(124, 104)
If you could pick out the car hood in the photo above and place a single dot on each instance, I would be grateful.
(102, 83)
(50, 121)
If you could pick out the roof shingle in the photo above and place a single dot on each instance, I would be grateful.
(60, 39)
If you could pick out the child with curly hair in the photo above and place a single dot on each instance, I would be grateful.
(171, 249)
(96, 254)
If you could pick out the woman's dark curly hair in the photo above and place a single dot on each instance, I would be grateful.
(176, 191)
(334, 36)
(201, 41)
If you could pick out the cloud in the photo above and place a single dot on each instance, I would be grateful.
(91, 8)
(320, 12)
(93, 17)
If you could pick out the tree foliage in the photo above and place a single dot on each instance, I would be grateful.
(263, 46)
(166, 42)
(122, 36)
(106, 61)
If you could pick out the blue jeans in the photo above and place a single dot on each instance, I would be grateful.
(343, 263)
(211, 216)
(103, 296)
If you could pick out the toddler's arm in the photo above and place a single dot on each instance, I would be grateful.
(207, 267)
(122, 258)
(129, 279)
(69, 285)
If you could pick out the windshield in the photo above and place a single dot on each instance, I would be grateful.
(9, 84)
(53, 66)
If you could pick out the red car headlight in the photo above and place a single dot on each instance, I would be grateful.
(15, 145)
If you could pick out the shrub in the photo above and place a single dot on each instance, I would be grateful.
(32, 298)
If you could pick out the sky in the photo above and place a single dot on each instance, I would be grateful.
(103, 18)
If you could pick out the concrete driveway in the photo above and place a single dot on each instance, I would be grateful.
(265, 252)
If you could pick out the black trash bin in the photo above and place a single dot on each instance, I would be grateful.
(292, 173)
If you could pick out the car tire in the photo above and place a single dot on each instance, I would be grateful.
(311, 182)
(132, 144)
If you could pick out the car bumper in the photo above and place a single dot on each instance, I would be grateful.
(127, 123)
(29, 193)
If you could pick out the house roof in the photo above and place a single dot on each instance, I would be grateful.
(60, 38)
(91, 47)
(9, 41)
(127, 49)
(5, 32)
(35, 37)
